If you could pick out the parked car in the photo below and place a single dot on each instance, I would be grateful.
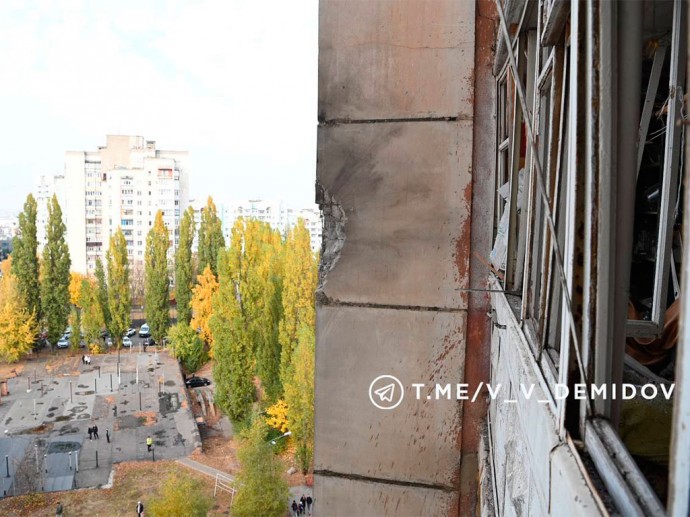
(68, 331)
(131, 332)
(196, 382)
(108, 341)
(63, 342)
(104, 334)
(144, 331)
(149, 341)
(126, 342)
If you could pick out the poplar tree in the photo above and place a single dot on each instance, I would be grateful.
(17, 324)
(263, 487)
(55, 275)
(92, 314)
(184, 268)
(211, 239)
(25, 265)
(156, 280)
(119, 294)
(102, 292)
(299, 285)
(202, 306)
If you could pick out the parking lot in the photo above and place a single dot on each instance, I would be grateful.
(53, 399)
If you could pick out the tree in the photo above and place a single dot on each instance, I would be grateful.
(299, 285)
(180, 496)
(211, 239)
(261, 486)
(202, 307)
(246, 313)
(25, 265)
(233, 367)
(75, 323)
(92, 315)
(186, 346)
(119, 295)
(157, 281)
(75, 283)
(17, 324)
(299, 396)
(102, 292)
(55, 275)
(184, 268)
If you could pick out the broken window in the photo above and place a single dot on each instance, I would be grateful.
(541, 239)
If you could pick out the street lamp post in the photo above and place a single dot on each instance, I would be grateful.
(288, 433)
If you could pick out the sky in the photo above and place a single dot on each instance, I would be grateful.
(233, 82)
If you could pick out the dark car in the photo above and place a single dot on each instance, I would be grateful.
(196, 382)
(149, 341)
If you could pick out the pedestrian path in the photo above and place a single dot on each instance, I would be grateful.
(204, 469)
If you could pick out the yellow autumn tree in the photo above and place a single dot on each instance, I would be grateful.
(75, 283)
(276, 416)
(202, 310)
(17, 326)
(299, 285)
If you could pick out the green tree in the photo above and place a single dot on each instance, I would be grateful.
(75, 323)
(55, 275)
(184, 268)
(180, 496)
(299, 396)
(211, 239)
(233, 365)
(17, 325)
(92, 315)
(119, 294)
(186, 346)
(25, 265)
(261, 487)
(156, 279)
(246, 313)
(102, 292)
(299, 285)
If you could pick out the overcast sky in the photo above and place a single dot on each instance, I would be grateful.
(231, 81)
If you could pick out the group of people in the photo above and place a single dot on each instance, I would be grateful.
(85, 359)
(303, 506)
(93, 432)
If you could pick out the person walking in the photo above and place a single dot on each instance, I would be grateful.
(149, 443)
(107, 435)
(95, 432)
(294, 507)
(140, 509)
(59, 509)
(90, 432)
(309, 502)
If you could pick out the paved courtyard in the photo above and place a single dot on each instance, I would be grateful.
(44, 444)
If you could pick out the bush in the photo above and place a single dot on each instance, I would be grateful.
(180, 496)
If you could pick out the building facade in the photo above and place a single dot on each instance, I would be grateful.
(278, 214)
(505, 231)
(122, 184)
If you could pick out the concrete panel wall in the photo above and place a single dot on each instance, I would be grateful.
(535, 473)
(394, 182)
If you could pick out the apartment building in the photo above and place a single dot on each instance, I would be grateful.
(277, 213)
(121, 184)
(45, 187)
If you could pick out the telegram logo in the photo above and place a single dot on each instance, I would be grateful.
(386, 392)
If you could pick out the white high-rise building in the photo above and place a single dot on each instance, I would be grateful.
(122, 184)
(276, 213)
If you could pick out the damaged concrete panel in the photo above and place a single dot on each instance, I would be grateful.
(395, 199)
(348, 497)
(384, 59)
(569, 488)
(418, 441)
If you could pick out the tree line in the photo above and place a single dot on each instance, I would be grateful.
(248, 305)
